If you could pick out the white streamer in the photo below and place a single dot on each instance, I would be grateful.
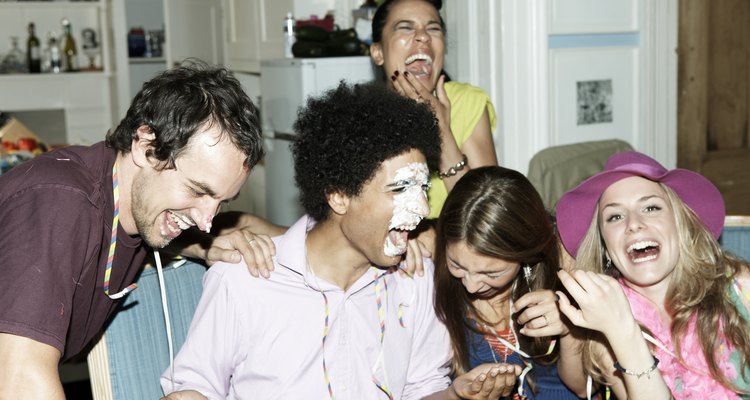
(165, 308)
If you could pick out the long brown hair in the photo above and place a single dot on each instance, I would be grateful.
(700, 282)
(498, 213)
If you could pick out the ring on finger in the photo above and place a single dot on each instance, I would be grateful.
(251, 241)
(545, 319)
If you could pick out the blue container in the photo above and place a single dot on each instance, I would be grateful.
(136, 44)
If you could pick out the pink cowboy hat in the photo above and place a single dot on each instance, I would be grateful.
(576, 207)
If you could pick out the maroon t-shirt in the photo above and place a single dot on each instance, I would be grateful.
(56, 223)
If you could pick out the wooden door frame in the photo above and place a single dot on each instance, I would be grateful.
(692, 83)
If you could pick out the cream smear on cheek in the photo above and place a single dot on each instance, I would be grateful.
(409, 207)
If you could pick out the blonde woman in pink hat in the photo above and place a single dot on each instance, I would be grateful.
(667, 310)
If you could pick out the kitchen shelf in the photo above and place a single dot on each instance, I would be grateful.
(147, 60)
(46, 5)
(50, 76)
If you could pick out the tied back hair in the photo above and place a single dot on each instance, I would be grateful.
(700, 285)
(384, 10)
(380, 18)
(498, 213)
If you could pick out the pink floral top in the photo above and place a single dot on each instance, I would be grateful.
(691, 378)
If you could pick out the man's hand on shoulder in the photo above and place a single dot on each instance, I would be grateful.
(421, 244)
(234, 236)
(244, 235)
(255, 249)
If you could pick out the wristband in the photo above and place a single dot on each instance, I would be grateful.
(454, 169)
(638, 374)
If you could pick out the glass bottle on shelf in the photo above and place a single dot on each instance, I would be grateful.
(68, 49)
(289, 38)
(15, 61)
(55, 56)
(33, 51)
(47, 55)
(90, 47)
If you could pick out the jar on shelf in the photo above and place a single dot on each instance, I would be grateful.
(136, 42)
(15, 61)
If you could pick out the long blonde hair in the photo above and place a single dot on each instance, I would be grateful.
(699, 285)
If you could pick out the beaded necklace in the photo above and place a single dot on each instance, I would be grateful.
(380, 285)
(113, 240)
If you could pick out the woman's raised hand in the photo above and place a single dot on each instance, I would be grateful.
(408, 85)
(538, 314)
(602, 305)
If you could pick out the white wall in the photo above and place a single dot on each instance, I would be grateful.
(252, 198)
(506, 48)
(148, 14)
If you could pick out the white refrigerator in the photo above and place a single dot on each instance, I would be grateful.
(285, 85)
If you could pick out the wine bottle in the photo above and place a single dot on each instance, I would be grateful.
(68, 48)
(288, 35)
(33, 52)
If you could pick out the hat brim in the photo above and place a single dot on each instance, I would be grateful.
(576, 208)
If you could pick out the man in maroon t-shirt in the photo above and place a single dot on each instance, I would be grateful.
(186, 146)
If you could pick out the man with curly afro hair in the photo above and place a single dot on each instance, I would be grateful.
(336, 319)
(345, 136)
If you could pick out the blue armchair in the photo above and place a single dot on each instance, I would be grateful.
(736, 235)
(131, 355)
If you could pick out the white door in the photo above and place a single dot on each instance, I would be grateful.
(255, 31)
(194, 29)
(243, 29)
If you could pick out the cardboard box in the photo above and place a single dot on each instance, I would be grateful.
(12, 132)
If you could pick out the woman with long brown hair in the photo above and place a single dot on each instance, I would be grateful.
(495, 263)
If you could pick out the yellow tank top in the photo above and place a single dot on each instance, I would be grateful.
(467, 105)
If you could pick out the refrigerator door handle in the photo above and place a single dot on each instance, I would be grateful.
(284, 136)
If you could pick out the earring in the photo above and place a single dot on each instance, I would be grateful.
(608, 266)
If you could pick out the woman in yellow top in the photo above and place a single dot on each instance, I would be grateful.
(409, 43)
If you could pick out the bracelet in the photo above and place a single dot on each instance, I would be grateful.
(638, 374)
(454, 169)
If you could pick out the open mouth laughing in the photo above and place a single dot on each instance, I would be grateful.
(643, 251)
(419, 65)
(402, 223)
(395, 243)
(174, 224)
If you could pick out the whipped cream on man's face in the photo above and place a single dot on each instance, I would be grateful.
(409, 206)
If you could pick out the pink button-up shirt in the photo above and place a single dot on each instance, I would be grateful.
(254, 338)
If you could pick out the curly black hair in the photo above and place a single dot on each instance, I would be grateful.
(346, 134)
(177, 104)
